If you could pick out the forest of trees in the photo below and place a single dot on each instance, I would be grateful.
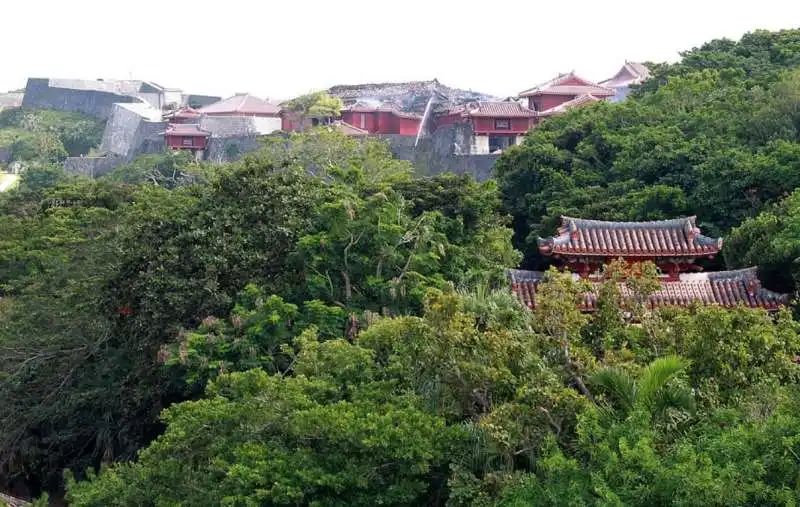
(314, 325)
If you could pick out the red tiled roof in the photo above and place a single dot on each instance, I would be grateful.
(243, 103)
(563, 84)
(577, 101)
(679, 237)
(186, 130)
(724, 288)
(507, 109)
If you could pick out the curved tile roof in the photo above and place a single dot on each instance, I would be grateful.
(724, 288)
(678, 237)
(505, 109)
(569, 84)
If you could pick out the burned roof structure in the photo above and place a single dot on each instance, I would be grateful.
(409, 97)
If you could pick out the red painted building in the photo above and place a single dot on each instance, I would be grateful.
(561, 90)
(186, 137)
(495, 125)
(382, 120)
(584, 246)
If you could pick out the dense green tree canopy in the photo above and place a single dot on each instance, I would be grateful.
(313, 325)
(48, 135)
(718, 138)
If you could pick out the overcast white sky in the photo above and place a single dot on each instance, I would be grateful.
(281, 48)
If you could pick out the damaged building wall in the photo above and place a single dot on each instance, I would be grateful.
(411, 96)
(448, 149)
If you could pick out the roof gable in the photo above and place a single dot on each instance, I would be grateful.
(678, 237)
(629, 73)
(568, 84)
(242, 103)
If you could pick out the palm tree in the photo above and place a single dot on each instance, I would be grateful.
(651, 391)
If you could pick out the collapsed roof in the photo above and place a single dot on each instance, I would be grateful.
(409, 97)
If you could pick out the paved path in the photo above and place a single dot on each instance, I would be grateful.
(7, 181)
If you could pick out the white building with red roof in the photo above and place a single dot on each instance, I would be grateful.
(266, 115)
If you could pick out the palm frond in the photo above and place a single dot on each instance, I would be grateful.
(672, 398)
(618, 385)
(656, 376)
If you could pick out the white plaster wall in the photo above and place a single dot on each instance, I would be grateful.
(267, 125)
(480, 145)
(173, 97)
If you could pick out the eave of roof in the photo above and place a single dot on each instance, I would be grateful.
(186, 130)
(505, 109)
(724, 288)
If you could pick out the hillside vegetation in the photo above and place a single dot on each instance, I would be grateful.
(312, 325)
(48, 136)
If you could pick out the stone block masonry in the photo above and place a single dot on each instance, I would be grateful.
(98, 104)
(91, 166)
(128, 127)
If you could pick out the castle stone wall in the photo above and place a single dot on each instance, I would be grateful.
(91, 166)
(98, 104)
(221, 149)
(127, 129)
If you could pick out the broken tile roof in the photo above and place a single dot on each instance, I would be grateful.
(506, 109)
(563, 85)
(678, 237)
(630, 73)
(242, 103)
(409, 97)
(724, 288)
(186, 130)
(186, 113)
